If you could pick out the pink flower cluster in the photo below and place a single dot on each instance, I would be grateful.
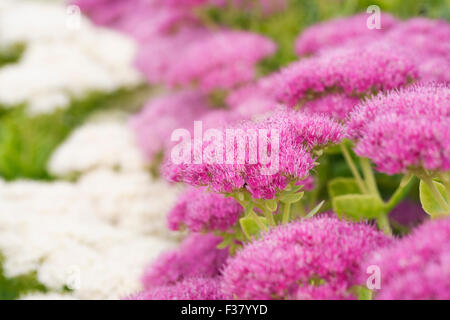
(299, 134)
(346, 70)
(426, 41)
(188, 289)
(404, 129)
(178, 49)
(155, 123)
(417, 266)
(290, 260)
(340, 32)
(200, 210)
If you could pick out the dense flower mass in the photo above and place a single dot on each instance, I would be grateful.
(417, 266)
(339, 32)
(290, 260)
(420, 113)
(155, 123)
(298, 133)
(408, 214)
(197, 256)
(200, 210)
(188, 289)
(346, 70)
(428, 43)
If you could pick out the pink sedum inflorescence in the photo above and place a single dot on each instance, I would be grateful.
(346, 70)
(416, 267)
(200, 210)
(298, 135)
(290, 260)
(197, 256)
(155, 123)
(408, 214)
(339, 32)
(335, 105)
(405, 129)
(196, 288)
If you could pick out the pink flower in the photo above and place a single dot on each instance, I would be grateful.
(335, 105)
(347, 70)
(188, 289)
(298, 133)
(428, 44)
(155, 123)
(423, 36)
(197, 256)
(405, 129)
(339, 32)
(417, 266)
(323, 292)
(421, 100)
(200, 210)
(290, 259)
(254, 99)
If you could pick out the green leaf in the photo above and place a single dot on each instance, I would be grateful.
(358, 206)
(342, 186)
(428, 200)
(291, 197)
(250, 227)
(315, 210)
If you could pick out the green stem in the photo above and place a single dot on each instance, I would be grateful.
(286, 213)
(261, 225)
(399, 194)
(353, 168)
(269, 217)
(437, 195)
(369, 177)
(383, 224)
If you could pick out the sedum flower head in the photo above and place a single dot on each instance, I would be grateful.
(409, 128)
(212, 63)
(154, 124)
(354, 71)
(339, 32)
(197, 256)
(188, 289)
(288, 261)
(335, 105)
(416, 267)
(200, 210)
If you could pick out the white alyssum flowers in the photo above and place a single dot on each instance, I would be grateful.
(60, 62)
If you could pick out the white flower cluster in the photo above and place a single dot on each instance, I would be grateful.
(96, 234)
(62, 59)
